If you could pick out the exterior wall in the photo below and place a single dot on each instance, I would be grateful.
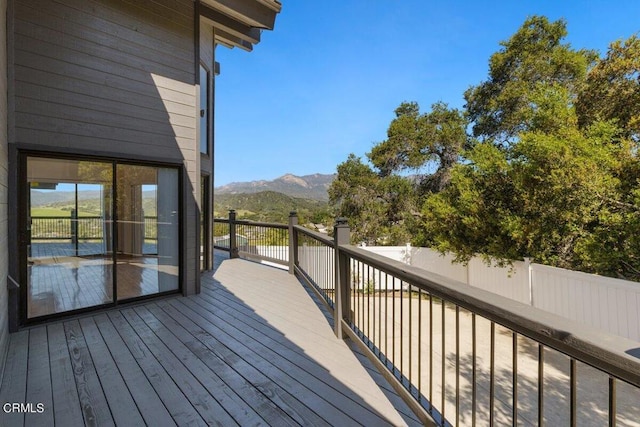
(207, 58)
(112, 78)
(4, 166)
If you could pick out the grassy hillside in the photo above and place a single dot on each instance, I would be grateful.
(86, 207)
(270, 206)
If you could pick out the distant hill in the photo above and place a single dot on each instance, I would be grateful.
(308, 186)
(43, 198)
(89, 201)
(269, 206)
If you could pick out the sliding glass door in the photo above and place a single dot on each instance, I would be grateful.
(69, 255)
(148, 230)
(98, 232)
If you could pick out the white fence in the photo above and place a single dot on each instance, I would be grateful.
(612, 305)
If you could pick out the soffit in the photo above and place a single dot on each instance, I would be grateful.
(238, 23)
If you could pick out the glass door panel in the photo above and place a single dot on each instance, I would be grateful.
(69, 251)
(147, 230)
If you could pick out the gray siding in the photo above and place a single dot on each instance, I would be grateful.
(206, 162)
(115, 78)
(4, 166)
(207, 58)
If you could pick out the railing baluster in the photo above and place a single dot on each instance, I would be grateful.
(457, 365)
(431, 350)
(368, 290)
(393, 323)
(362, 301)
(492, 373)
(419, 343)
(410, 336)
(573, 395)
(386, 315)
(514, 379)
(401, 328)
(540, 384)
(443, 379)
(612, 402)
(380, 311)
(474, 388)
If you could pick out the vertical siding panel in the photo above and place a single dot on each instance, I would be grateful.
(611, 309)
(594, 316)
(636, 315)
(621, 311)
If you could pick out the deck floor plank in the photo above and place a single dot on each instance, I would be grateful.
(14, 379)
(124, 409)
(151, 406)
(205, 401)
(211, 369)
(269, 336)
(93, 402)
(304, 369)
(261, 375)
(228, 308)
(176, 402)
(308, 389)
(66, 403)
(39, 380)
(254, 348)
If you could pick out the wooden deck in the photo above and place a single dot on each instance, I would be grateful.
(254, 348)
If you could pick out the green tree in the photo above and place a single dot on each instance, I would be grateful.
(612, 89)
(500, 107)
(377, 207)
(557, 194)
(427, 144)
(354, 195)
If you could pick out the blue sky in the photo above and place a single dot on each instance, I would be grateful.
(325, 82)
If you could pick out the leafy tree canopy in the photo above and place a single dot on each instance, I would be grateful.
(611, 90)
(535, 55)
(550, 170)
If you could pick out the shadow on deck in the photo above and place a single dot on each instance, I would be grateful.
(254, 348)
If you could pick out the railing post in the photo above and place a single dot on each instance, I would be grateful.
(293, 242)
(233, 244)
(341, 235)
(74, 229)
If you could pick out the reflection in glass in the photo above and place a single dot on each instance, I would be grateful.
(69, 255)
(148, 230)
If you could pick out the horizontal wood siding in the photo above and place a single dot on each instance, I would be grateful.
(114, 70)
(111, 77)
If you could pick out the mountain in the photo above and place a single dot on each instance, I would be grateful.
(55, 198)
(43, 198)
(269, 206)
(308, 186)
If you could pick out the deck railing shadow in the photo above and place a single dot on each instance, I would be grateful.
(416, 326)
(287, 364)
